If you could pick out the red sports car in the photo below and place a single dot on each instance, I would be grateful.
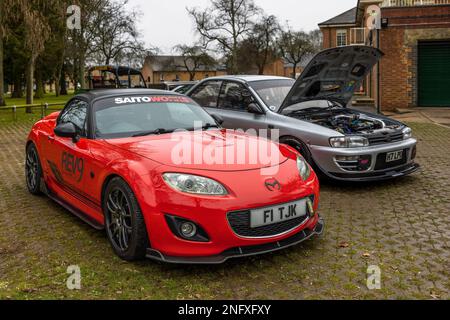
(112, 157)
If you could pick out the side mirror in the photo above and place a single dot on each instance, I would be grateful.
(67, 130)
(219, 120)
(254, 108)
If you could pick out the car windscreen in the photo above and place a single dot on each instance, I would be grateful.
(273, 92)
(130, 116)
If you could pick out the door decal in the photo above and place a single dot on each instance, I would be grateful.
(73, 165)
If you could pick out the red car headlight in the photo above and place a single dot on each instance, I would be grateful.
(194, 184)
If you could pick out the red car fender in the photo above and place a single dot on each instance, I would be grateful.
(137, 174)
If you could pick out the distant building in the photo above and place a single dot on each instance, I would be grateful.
(158, 69)
(282, 68)
(415, 38)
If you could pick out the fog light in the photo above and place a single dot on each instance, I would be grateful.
(188, 229)
(414, 153)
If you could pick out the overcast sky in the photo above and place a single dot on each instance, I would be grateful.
(165, 23)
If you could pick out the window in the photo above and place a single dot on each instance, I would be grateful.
(125, 120)
(341, 38)
(75, 113)
(272, 92)
(234, 96)
(207, 94)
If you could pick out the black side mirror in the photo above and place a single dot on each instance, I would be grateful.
(219, 120)
(67, 130)
(254, 108)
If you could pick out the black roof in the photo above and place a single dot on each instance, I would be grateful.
(348, 17)
(109, 93)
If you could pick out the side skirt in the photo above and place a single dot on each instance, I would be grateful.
(72, 209)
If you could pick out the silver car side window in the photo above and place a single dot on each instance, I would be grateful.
(207, 94)
(234, 96)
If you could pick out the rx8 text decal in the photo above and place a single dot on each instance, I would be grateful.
(73, 165)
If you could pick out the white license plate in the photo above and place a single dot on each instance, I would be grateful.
(394, 156)
(275, 214)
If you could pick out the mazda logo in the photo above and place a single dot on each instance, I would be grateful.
(272, 185)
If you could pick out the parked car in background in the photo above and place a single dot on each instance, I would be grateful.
(172, 85)
(184, 88)
(108, 158)
(311, 115)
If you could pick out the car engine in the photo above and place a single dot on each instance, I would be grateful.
(353, 123)
(349, 122)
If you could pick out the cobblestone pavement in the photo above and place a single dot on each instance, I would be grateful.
(402, 226)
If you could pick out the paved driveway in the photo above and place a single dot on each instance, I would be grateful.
(401, 226)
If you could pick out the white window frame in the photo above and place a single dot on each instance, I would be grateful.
(340, 34)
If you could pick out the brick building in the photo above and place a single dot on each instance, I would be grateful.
(158, 69)
(415, 37)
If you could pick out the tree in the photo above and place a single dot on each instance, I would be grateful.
(116, 35)
(259, 48)
(79, 44)
(295, 46)
(194, 58)
(8, 10)
(15, 59)
(224, 24)
(2, 32)
(37, 32)
(47, 64)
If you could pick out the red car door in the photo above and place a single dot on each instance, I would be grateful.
(68, 159)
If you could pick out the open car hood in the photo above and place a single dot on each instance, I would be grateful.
(333, 74)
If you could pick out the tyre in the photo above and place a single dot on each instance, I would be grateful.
(124, 223)
(33, 170)
(300, 147)
(304, 151)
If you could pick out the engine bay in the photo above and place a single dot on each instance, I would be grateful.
(347, 121)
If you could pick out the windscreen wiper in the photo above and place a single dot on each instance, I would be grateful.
(156, 132)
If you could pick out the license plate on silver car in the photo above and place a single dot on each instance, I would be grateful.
(394, 156)
(279, 213)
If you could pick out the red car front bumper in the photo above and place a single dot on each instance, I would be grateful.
(212, 215)
(243, 251)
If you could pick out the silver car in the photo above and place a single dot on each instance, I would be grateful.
(311, 115)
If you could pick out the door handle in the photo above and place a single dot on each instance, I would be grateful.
(50, 138)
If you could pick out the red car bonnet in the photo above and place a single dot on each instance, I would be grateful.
(165, 148)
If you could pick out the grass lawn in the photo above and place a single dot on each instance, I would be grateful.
(6, 115)
(48, 98)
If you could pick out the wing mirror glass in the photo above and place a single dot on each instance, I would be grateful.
(254, 108)
(67, 130)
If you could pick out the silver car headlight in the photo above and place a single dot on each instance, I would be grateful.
(303, 168)
(349, 142)
(194, 184)
(407, 133)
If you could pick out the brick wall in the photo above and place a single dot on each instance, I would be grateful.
(393, 70)
(329, 36)
(399, 42)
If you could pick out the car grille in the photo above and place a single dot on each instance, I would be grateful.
(381, 163)
(383, 138)
(240, 223)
